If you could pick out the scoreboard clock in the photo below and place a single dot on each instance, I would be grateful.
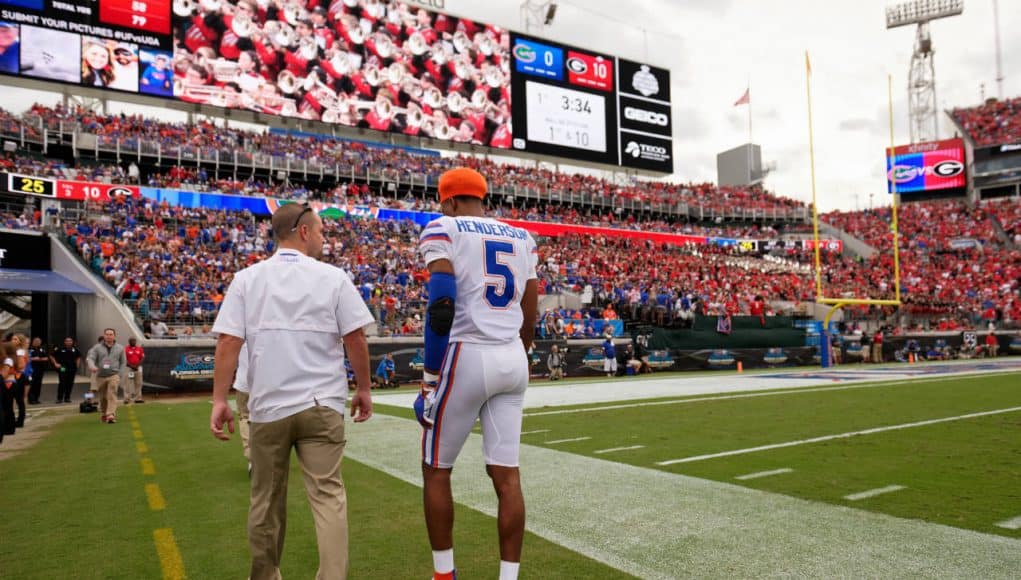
(578, 104)
(565, 117)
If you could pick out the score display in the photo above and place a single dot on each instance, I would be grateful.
(591, 107)
(565, 117)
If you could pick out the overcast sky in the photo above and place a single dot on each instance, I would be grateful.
(715, 48)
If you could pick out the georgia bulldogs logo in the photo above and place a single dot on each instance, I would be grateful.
(577, 66)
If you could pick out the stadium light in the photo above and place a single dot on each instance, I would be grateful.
(922, 75)
(921, 11)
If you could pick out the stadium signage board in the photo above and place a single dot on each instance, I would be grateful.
(396, 66)
(87, 191)
(926, 166)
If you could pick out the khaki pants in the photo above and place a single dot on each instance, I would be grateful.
(877, 353)
(133, 385)
(107, 393)
(243, 425)
(318, 436)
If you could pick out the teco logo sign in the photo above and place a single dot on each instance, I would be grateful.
(636, 150)
(644, 116)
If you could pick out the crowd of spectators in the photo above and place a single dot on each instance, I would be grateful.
(955, 267)
(997, 122)
(210, 139)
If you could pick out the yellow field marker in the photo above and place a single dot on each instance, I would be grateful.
(141, 447)
(148, 467)
(156, 501)
(137, 433)
(170, 557)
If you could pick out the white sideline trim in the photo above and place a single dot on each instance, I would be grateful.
(759, 474)
(1011, 524)
(614, 449)
(873, 492)
(837, 436)
(571, 440)
(772, 393)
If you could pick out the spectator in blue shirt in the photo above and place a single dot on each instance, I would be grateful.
(385, 370)
(158, 78)
(10, 48)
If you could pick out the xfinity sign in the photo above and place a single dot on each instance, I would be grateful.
(644, 116)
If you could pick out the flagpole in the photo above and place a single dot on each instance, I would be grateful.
(749, 91)
(811, 162)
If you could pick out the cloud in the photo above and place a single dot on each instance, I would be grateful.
(856, 125)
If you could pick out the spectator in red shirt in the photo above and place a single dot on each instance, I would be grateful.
(134, 354)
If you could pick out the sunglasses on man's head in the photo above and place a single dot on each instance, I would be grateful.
(301, 215)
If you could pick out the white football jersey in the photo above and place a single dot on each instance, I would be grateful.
(492, 262)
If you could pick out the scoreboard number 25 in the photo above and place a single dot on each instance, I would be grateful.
(33, 185)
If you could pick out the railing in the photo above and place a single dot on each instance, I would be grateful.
(342, 167)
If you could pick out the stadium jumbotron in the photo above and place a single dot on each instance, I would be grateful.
(777, 297)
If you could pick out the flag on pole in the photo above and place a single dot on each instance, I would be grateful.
(745, 99)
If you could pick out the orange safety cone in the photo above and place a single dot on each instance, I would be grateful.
(740, 367)
(911, 358)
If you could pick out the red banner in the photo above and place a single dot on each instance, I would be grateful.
(554, 230)
(86, 191)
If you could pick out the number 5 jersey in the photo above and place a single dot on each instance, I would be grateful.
(492, 263)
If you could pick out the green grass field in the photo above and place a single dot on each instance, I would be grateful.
(82, 489)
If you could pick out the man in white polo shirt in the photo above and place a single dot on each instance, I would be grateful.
(293, 312)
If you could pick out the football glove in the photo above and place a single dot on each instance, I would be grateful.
(425, 401)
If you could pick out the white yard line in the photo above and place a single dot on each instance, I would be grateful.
(759, 474)
(615, 449)
(571, 440)
(685, 526)
(1011, 524)
(837, 436)
(535, 432)
(873, 492)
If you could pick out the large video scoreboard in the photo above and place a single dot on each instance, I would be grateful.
(581, 104)
(385, 65)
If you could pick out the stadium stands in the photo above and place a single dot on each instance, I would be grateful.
(994, 123)
(172, 264)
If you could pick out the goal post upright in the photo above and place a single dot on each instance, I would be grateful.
(837, 304)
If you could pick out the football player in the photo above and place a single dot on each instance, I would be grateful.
(478, 329)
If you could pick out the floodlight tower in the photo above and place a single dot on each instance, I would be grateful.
(922, 77)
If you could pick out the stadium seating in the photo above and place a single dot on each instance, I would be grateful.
(994, 123)
(208, 141)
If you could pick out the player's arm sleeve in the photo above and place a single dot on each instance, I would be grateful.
(435, 242)
(533, 259)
